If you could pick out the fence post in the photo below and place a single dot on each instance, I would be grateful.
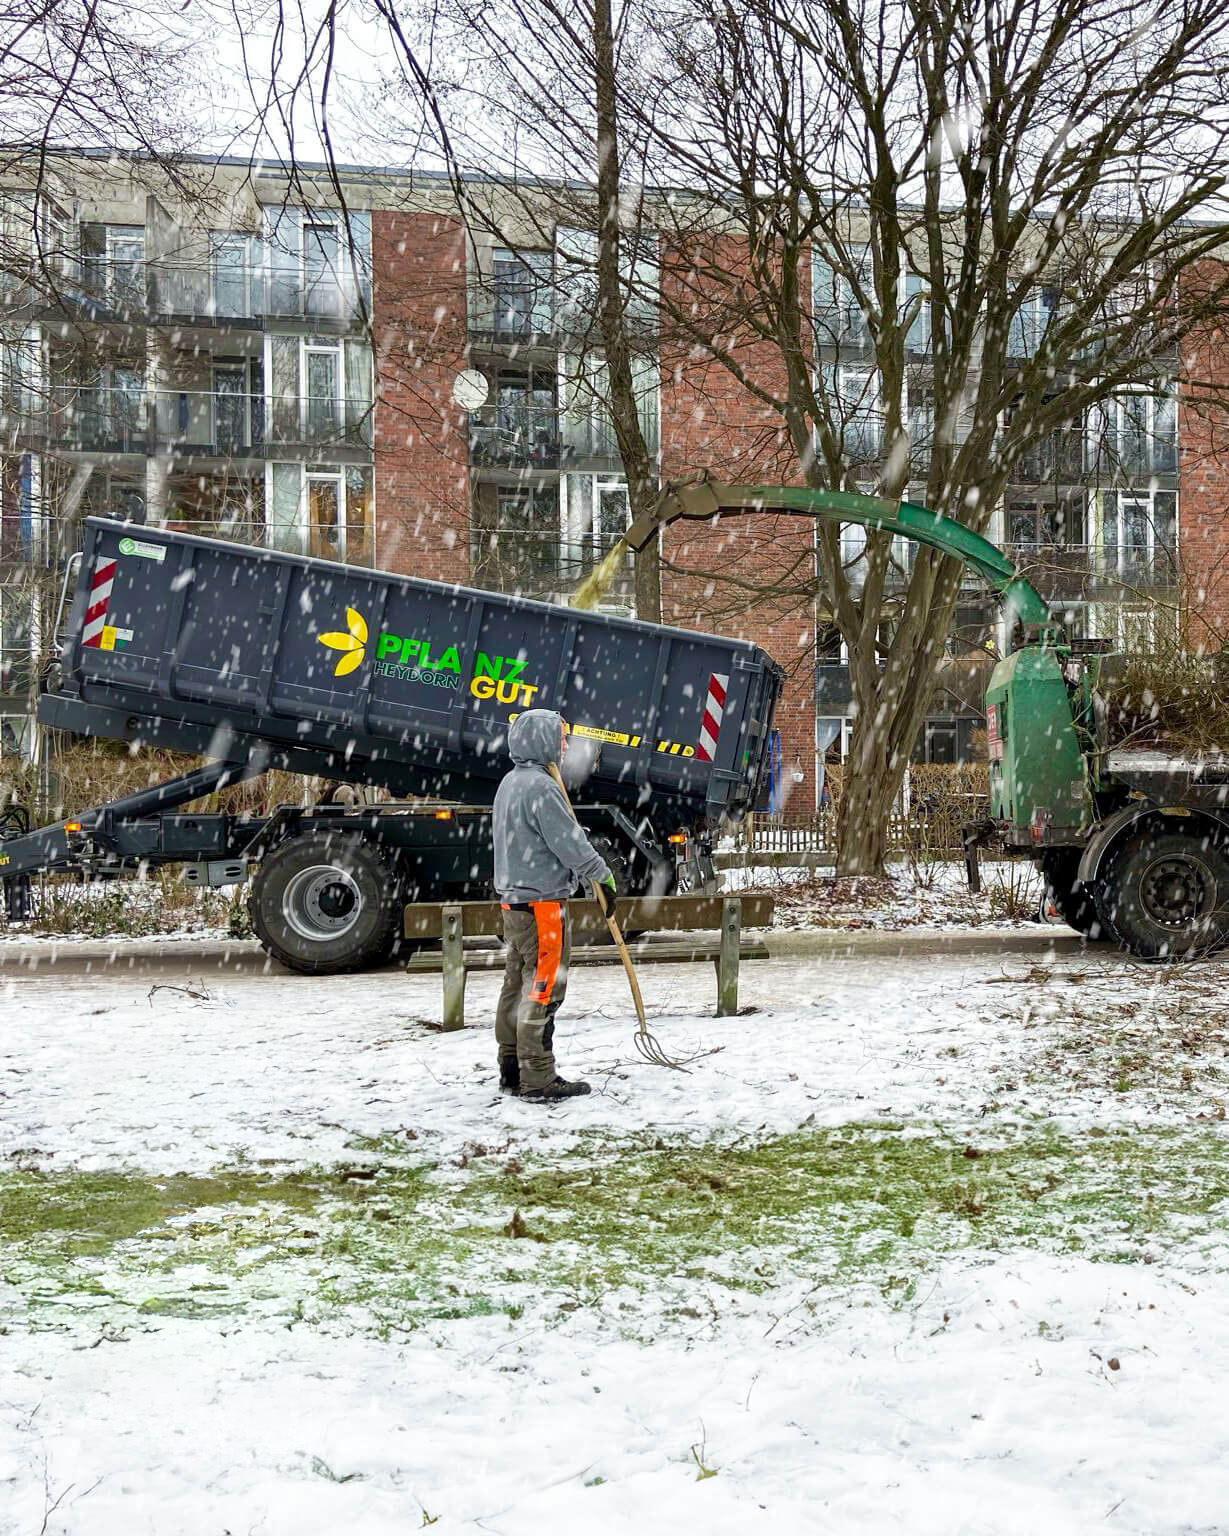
(727, 964)
(453, 968)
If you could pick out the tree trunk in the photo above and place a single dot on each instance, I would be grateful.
(866, 803)
(648, 581)
(639, 464)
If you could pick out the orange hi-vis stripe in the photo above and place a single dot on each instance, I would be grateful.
(548, 915)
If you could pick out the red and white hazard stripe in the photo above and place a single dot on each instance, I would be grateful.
(714, 709)
(101, 583)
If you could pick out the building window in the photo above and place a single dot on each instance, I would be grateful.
(1139, 536)
(517, 540)
(1031, 321)
(322, 510)
(853, 396)
(523, 297)
(1135, 436)
(596, 510)
(319, 390)
(235, 271)
(837, 297)
(319, 263)
(113, 263)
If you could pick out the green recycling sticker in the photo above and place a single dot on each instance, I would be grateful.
(145, 551)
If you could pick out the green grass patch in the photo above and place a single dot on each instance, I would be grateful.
(397, 1242)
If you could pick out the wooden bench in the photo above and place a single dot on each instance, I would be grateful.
(454, 923)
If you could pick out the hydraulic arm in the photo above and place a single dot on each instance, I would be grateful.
(708, 498)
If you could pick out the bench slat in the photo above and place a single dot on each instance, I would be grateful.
(591, 954)
(655, 914)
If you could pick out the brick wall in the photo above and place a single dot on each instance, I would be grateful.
(421, 444)
(747, 576)
(1203, 470)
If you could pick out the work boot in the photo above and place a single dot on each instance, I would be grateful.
(509, 1074)
(553, 1092)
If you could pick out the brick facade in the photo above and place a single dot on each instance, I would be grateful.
(1203, 468)
(748, 576)
(421, 440)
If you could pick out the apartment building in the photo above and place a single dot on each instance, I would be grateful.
(348, 370)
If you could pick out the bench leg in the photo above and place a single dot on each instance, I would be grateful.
(453, 968)
(727, 964)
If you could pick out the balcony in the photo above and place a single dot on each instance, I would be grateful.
(186, 423)
(515, 437)
(1085, 570)
(227, 292)
(210, 293)
(524, 437)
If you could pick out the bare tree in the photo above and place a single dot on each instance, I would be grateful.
(920, 238)
(953, 230)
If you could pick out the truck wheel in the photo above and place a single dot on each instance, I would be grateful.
(1072, 902)
(326, 902)
(1166, 896)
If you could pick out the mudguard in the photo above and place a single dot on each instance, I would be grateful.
(1108, 833)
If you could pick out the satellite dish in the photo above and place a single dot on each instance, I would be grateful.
(470, 389)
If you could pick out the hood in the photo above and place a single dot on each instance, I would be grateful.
(534, 737)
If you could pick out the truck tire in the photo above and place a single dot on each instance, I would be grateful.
(1165, 895)
(1072, 902)
(326, 902)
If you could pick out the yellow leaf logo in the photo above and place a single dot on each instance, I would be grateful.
(353, 644)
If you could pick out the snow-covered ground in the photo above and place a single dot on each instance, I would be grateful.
(932, 1238)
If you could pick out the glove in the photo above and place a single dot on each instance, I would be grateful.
(608, 895)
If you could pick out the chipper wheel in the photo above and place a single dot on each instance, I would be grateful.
(1165, 895)
(324, 902)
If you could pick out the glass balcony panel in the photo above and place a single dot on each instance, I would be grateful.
(512, 434)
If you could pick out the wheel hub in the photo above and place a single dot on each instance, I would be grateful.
(1176, 892)
(321, 902)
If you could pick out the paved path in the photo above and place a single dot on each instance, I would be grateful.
(157, 958)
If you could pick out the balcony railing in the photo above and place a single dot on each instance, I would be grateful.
(225, 292)
(135, 290)
(208, 423)
(509, 436)
(514, 436)
(1131, 565)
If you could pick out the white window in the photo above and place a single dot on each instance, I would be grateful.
(234, 263)
(1031, 322)
(1135, 436)
(840, 321)
(125, 273)
(1139, 531)
(588, 424)
(319, 390)
(523, 297)
(854, 404)
(322, 510)
(595, 511)
(319, 262)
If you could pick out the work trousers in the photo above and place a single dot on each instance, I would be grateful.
(539, 943)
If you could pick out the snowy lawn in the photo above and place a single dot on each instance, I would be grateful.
(931, 1238)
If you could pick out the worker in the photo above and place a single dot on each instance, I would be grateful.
(540, 855)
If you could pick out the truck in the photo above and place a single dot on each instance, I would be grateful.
(1132, 842)
(253, 658)
(259, 659)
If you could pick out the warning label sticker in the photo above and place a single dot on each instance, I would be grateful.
(615, 738)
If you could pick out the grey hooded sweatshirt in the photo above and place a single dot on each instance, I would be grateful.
(540, 852)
